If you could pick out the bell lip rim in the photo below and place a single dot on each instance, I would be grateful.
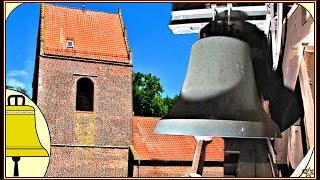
(276, 133)
(12, 149)
(28, 155)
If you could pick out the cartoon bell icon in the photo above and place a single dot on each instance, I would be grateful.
(21, 134)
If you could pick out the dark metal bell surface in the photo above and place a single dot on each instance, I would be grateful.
(219, 95)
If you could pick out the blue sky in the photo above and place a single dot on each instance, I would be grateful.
(155, 48)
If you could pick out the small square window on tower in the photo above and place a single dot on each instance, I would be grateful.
(70, 44)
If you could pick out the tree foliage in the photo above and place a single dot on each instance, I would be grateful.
(147, 100)
(19, 89)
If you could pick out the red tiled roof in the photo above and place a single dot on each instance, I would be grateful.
(96, 35)
(151, 146)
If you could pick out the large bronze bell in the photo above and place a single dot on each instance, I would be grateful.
(219, 95)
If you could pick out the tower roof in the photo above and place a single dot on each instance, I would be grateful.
(83, 34)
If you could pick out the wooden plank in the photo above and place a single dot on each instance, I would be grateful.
(274, 168)
(293, 8)
(246, 164)
(271, 152)
(281, 148)
(309, 58)
(295, 151)
(308, 103)
(197, 165)
(263, 166)
(278, 39)
(299, 31)
(199, 156)
(290, 67)
(231, 162)
(131, 161)
(232, 144)
(309, 48)
(230, 168)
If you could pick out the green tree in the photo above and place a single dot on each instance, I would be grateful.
(19, 89)
(169, 103)
(9, 87)
(22, 90)
(147, 100)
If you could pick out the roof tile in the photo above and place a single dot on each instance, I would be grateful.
(151, 146)
(96, 35)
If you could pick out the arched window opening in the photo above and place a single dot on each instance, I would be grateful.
(84, 95)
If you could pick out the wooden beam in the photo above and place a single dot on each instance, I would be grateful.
(246, 165)
(254, 160)
(276, 35)
(263, 166)
(272, 165)
(291, 11)
(308, 104)
(290, 67)
(189, 28)
(309, 48)
(208, 13)
(199, 156)
(281, 148)
(279, 34)
(196, 163)
(271, 151)
(192, 20)
(295, 151)
(273, 32)
(299, 32)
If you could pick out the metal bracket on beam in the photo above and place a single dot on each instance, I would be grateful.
(267, 22)
(229, 5)
(213, 7)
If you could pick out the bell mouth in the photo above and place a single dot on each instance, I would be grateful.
(216, 128)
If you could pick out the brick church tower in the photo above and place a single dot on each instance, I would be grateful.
(82, 84)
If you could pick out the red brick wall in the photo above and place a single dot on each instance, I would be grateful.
(174, 171)
(87, 162)
(109, 123)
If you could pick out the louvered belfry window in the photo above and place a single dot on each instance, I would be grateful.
(84, 95)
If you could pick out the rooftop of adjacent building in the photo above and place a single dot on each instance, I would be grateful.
(151, 146)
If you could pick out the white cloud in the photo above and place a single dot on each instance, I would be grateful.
(17, 73)
(15, 83)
